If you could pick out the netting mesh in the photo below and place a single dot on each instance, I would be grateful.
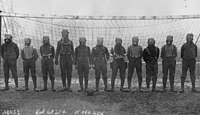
(36, 28)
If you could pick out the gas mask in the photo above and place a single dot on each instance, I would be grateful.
(118, 41)
(27, 41)
(45, 40)
(8, 38)
(169, 40)
(189, 38)
(82, 41)
(135, 40)
(151, 42)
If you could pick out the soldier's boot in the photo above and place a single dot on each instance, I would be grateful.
(69, 78)
(122, 84)
(182, 84)
(86, 83)
(26, 83)
(105, 84)
(35, 84)
(52, 85)
(16, 83)
(112, 84)
(140, 83)
(63, 82)
(193, 84)
(45, 86)
(148, 80)
(164, 83)
(81, 83)
(154, 80)
(171, 80)
(6, 85)
(97, 84)
(129, 83)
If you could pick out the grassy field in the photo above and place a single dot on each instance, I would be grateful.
(101, 103)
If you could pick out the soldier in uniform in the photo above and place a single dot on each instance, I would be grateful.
(134, 54)
(29, 56)
(188, 54)
(168, 55)
(47, 52)
(65, 50)
(100, 55)
(10, 54)
(118, 54)
(150, 56)
(82, 62)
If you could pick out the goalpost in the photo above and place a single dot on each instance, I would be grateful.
(91, 27)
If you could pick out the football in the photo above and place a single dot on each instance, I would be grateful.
(90, 91)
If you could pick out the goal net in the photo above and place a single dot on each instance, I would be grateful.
(91, 27)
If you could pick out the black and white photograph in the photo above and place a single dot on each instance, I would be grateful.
(99, 57)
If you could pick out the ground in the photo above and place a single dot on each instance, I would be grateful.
(101, 103)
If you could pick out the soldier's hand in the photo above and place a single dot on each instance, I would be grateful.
(56, 61)
(76, 67)
(90, 66)
(93, 66)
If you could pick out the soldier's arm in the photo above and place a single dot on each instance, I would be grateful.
(145, 55)
(2, 51)
(35, 54)
(57, 50)
(92, 56)
(195, 50)
(72, 46)
(107, 54)
(22, 54)
(17, 51)
(162, 52)
(53, 52)
(182, 51)
(41, 51)
(141, 51)
(89, 55)
(128, 53)
(75, 55)
(158, 52)
(175, 51)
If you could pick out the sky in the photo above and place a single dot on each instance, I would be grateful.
(106, 7)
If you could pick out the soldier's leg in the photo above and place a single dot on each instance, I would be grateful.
(139, 73)
(33, 72)
(130, 73)
(80, 73)
(172, 70)
(69, 74)
(26, 72)
(192, 66)
(13, 68)
(6, 74)
(63, 67)
(184, 74)
(51, 73)
(154, 78)
(86, 72)
(148, 74)
(114, 74)
(104, 75)
(44, 73)
(97, 74)
(165, 67)
(122, 71)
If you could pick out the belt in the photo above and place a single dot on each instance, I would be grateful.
(46, 56)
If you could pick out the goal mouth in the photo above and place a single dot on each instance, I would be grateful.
(109, 27)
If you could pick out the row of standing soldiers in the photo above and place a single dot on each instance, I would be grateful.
(84, 59)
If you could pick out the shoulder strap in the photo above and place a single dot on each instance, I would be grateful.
(148, 51)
